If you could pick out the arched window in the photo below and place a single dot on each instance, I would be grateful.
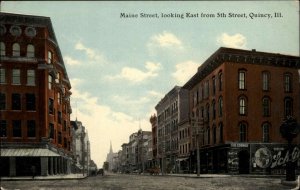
(220, 81)
(2, 49)
(220, 106)
(221, 132)
(214, 109)
(287, 82)
(242, 106)
(30, 50)
(214, 134)
(266, 81)
(266, 132)
(243, 132)
(16, 49)
(242, 79)
(266, 102)
(288, 107)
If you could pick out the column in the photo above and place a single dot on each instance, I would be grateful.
(12, 166)
(51, 165)
(55, 165)
(44, 166)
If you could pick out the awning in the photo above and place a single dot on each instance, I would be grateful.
(27, 152)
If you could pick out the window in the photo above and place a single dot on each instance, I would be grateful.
(31, 128)
(242, 105)
(266, 106)
(287, 82)
(30, 102)
(220, 106)
(214, 85)
(266, 80)
(17, 130)
(206, 89)
(243, 132)
(220, 81)
(58, 98)
(59, 138)
(288, 107)
(59, 117)
(50, 57)
(50, 82)
(2, 49)
(2, 101)
(51, 130)
(65, 126)
(2, 76)
(57, 80)
(242, 79)
(221, 132)
(207, 112)
(214, 109)
(266, 132)
(30, 50)
(51, 106)
(208, 136)
(31, 77)
(16, 76)
(16, 101)
(214, 134)
(16, 49)
(3, 128)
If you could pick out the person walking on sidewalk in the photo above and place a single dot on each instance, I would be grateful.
(33, 171)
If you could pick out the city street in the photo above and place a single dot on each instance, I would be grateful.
(146, 182)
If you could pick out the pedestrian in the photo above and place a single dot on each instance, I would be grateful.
(33, 171)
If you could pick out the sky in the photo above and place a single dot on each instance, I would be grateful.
(121, 67)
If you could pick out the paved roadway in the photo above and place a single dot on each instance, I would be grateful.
(141, 182)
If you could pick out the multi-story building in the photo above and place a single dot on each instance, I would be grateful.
(34, 98)
(171, 110)
(153, 121)
(238, 100)
(80, 148)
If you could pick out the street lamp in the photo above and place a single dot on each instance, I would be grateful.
(289, 129)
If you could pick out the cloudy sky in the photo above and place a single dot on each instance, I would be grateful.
(120, 68)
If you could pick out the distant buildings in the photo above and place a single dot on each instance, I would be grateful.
(80, 148)
(34, 98)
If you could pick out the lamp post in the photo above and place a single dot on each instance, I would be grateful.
(289, 129)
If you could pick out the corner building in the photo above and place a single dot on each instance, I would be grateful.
(34, 98)
(238, 100)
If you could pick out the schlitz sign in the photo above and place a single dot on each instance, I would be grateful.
(272, 156)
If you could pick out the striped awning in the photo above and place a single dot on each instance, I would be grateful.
(27, 152)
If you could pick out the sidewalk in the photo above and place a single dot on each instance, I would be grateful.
(50, 177)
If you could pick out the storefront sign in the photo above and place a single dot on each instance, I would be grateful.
(239, 145)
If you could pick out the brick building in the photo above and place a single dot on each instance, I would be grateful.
(171, 110)
(34, 98)
(238, 99)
